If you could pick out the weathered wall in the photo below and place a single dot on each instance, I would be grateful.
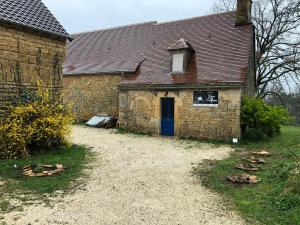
(26, 57)
(92, 94)
(140, 111)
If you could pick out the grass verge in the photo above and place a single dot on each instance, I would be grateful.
(276, 199)
(14, 184)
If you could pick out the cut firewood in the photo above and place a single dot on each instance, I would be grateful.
(40, 175)
(56, 171)
(49, 173)
(49, 167)
(255, 160)
(247, 167)
(59, 166)
(28, 167)
(243, 179)
(26, 170)
(29, 171)
(253, 180)
(261, 153)
(50, 170)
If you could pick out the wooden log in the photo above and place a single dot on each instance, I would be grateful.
(243, 179)
(49, 167)
(247, 169)
(261, 153)
(255, 160)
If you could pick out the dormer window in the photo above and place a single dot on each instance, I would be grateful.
(180, 56)
(177, 62)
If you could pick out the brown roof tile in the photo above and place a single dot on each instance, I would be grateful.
(114, 50)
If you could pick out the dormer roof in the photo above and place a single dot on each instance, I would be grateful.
(181, 44)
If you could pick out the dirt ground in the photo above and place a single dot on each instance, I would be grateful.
(136, 180)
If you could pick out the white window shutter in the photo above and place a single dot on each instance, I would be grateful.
(177, 65)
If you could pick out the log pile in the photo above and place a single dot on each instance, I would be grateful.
(251, 165)
(48, 170)
(262, 153)
(243, 179)
(255, 160)
(248, 167)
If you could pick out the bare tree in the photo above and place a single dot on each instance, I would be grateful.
(224, 5)
(277, 25)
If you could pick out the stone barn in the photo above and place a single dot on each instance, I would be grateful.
(32, 47)
(182, 78)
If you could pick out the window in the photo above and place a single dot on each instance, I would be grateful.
(206, 98)
(177, 62)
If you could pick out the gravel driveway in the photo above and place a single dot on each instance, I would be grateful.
(136, 180)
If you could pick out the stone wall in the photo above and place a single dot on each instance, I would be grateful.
(25, 57)
(92, 94)
(140, 111)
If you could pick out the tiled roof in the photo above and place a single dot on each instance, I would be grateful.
(114, 50)
(31, 14)
(221, 52)
(221, 55)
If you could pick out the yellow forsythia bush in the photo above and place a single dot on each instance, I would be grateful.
(12, 141)
(38, 124)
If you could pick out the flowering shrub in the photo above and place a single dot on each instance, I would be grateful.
(40, 123)
(12, 141)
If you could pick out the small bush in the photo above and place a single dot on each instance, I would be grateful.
(35, 122)
(260, 120)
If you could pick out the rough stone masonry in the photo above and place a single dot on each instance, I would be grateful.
(25, 57)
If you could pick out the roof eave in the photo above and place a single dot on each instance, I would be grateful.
(66, 37)
(100, 73)
(220, 85)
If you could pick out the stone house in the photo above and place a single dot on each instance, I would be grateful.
(181, 78)
(32, 47)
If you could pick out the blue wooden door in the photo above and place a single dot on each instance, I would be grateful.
(167, 116)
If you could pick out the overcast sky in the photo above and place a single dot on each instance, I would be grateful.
(85, 15)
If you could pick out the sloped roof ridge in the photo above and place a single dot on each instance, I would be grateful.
(196, 17)
(153, 23)
(118, 27)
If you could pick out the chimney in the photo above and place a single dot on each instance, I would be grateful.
(243, 12)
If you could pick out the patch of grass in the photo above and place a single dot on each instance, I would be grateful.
(269, 202)
(11, 171)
